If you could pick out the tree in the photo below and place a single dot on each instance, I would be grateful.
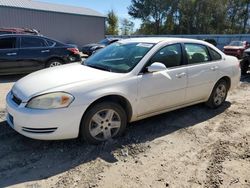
(112, 23)
(127, 27)
(246, 17)
(150, 12)
(191, 16)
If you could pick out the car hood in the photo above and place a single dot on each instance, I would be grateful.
(49, 79)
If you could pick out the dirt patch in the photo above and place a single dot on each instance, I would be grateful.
(190, 147)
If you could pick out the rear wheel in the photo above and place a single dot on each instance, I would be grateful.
(54, 63)
(218, 95)
(102, 122)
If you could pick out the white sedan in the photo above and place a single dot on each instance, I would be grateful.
(124, 82)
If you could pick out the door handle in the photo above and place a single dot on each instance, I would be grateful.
(214, 68)
(11, 54)
(45, 51)
(180, 75)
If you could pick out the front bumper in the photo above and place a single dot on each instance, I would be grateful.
(53, 124)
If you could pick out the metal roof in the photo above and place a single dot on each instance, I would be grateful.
(51, 7)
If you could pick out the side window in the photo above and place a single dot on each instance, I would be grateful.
(196, 53)
(8, 43)
(30, 42)
(214, 55)
(51, 43)
(170, 56)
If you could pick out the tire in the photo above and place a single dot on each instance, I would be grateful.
(96, 125)
(218, 95)
(54, 63)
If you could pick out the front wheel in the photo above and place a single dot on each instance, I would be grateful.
(103, 121)
(218, 95)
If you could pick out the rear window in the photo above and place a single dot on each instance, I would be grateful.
(8, 43)
(31, 42)
(214, 55)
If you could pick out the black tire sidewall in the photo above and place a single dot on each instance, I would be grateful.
(84, 128)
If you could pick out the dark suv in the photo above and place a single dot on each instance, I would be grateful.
(28, 53)
(245, 62)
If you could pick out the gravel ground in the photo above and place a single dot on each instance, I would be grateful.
(190, 147)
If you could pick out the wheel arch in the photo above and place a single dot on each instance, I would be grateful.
(227, 79)
(54, 58)
(121, 100)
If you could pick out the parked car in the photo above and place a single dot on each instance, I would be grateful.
(127, 81)
(18, 31)
(90, 48)
(245, 62)
(28, 53)
(236, 48)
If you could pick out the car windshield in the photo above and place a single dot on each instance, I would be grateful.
(236, 43)
(119, 57)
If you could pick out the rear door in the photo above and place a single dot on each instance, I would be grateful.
(8, 55)
(33, 52)
(202, 72)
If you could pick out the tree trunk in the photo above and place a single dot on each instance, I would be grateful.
(246, 19)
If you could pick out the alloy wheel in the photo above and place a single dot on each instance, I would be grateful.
(55, 63)
(105, 124)
(220, 94)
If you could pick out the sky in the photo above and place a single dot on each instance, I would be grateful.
(102, 6)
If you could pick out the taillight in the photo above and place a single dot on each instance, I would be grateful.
(73, 50)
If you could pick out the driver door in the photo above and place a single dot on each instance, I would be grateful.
(165, 89)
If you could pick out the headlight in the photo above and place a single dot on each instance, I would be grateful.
(51, 101)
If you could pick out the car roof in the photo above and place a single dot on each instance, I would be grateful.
(156, 40)
(20, 34)
(30, 35)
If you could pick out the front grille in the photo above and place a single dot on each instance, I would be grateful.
(16, 100)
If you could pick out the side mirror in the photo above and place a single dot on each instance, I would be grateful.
(156, 67)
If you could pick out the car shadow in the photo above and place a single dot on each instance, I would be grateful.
(23, 159)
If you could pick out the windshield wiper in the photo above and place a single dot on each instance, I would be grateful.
(99, 67)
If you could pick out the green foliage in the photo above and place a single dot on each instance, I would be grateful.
(112, 23)
(191, 16)
(127, 27)
(150, 12)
